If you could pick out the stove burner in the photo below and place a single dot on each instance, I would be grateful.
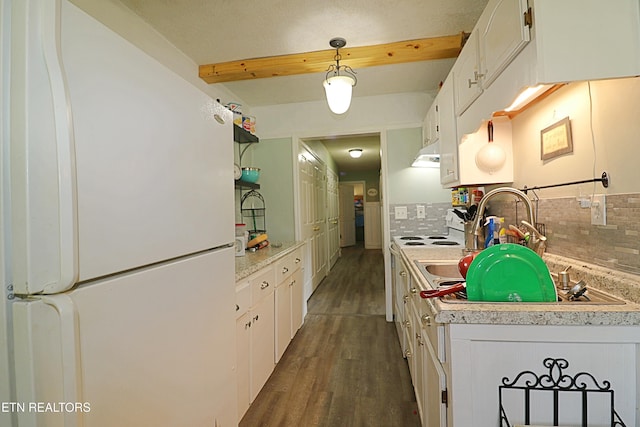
(411, 238)
(446, 243)
(414, 244)
(436, 237)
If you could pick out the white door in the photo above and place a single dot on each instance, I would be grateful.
(333, 218)
(311, 172)
(347, 216)
(157, 344)
(372, 225)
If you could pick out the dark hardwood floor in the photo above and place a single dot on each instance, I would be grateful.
(344, 366)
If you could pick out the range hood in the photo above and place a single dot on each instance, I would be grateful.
(428, 157)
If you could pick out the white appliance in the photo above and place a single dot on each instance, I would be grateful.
(453, 238)
(121, 261)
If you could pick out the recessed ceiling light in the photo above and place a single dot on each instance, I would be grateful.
(355, 152)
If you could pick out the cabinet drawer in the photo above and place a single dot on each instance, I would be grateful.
(296, 258)
(243, 298)
(284, 268)
(434, 332)
(262, 285)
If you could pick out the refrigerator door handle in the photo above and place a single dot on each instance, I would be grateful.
(70, 352)
(67, 194)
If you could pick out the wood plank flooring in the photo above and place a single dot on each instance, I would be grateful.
(344, 366)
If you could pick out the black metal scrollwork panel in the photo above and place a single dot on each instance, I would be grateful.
(556, 381)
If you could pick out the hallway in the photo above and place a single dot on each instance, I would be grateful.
(344, 367)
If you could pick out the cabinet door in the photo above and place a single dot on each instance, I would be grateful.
(243, 362)
(466, 75)
(419, 350)
(503, 34)
(448, 134)
(434, 380)
(283, 317)
(430, 127)
(262, 343)
(297, 301)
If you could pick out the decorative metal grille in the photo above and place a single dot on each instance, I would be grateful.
(556, 381)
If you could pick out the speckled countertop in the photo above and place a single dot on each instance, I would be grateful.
(622, 285)
(254, 261)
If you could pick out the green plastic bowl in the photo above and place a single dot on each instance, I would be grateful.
(250, 174)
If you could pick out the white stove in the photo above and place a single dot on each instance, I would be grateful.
(454, 237)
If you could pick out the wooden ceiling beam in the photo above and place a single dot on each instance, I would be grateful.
(318, 61)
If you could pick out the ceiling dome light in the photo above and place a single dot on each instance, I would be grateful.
(355, 152)
(339, 87)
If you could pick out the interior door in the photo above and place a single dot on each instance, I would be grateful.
(312, 179)
(347, 216)
(333, 218)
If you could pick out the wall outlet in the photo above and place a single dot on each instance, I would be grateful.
(598, 210)
(401, 212)
(420, 212)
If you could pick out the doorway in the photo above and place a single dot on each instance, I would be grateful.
(352, 213)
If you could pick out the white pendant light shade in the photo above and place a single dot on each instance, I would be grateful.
(338, 90)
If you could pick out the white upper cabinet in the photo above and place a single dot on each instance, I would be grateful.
(580, 40)
(504, 31)
(448, 134)
(431, 125)
(466, 74)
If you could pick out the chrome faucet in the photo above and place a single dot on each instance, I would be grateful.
(477, 241)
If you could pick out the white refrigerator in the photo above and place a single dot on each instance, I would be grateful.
(118, 212)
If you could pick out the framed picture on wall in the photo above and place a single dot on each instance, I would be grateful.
(555, 140)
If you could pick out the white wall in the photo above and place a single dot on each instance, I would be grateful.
(367, 114)
(133, 28)
(614, 145)
(405, 183)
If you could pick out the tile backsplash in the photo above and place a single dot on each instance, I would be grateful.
(433, 223)
(570, 233)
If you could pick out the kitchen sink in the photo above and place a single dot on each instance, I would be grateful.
(445, 273)
(443, 270)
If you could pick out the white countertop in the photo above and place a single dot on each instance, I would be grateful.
(622, 285)
(254, 261)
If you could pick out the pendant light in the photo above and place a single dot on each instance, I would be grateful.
(338, 87)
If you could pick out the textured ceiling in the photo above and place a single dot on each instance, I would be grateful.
(211, 31)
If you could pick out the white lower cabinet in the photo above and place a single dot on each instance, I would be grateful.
(255, 335)
(474, 374)
(570, 359)
(297, 301)
(289, 300)
(269, 312)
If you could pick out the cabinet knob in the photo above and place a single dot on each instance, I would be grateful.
(407, 354)
(298, 260)
(264, 285)
(405, 298)
(414, 291)
(293, 282)
(284, 270)
(426, 319)
(403, 273)
(237, 307)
